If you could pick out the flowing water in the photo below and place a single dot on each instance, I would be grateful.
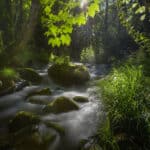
(78, 125)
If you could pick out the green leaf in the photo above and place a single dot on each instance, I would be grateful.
(134, 5)
(92, 9)
(142, 18)
(140, 10)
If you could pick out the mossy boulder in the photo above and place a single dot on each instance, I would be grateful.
(45, 91)
(81, 99)
(34, 141)
(1, 83)
(23, 120)
(30, 75)
(7, 81)
(24, 134)
(60, 105)
(7, 86)
(69, 74)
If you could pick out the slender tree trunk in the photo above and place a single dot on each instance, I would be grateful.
(106, 16)
(105, 32)
(28, 30)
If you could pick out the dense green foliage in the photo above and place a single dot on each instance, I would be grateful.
(87, 55)
(51, 22)
(125, 96)
(123, 85)
(59, 60)
(60, 22)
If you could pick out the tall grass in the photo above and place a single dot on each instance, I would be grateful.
(123, 92)
(120, 91)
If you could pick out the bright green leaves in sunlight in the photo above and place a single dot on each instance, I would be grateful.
(132, 14)
(92, 8)
(59, 18)
(59, 60)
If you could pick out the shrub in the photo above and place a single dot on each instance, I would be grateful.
(87, 55)
(59, 60)
(8, 73)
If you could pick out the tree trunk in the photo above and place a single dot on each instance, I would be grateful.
(106, 16)
(28, 30)
(105, 32)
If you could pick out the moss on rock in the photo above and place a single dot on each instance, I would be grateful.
(24, 134)
(80, 99)
(67, 75)
(7, 86)
(34, 141)
(30, 75)
(1, 83)
(22, 120)
(61, 104)
(45, 91)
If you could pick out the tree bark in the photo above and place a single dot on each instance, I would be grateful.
(28, 30)
(106, 16)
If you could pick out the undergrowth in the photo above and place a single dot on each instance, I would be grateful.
(125, 93)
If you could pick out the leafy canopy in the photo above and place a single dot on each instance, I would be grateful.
(59, 17)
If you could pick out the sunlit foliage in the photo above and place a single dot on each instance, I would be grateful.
(59, 17)
(134, 15)
(59, 60)
(87, 55)
(120, 91)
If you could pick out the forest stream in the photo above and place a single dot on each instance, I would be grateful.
(78, 125)
(74, 74)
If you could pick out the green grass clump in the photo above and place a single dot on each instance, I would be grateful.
(120, 91)
(125, 98)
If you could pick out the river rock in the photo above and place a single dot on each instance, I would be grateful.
(45, 91)
(80, 99)
(60, 105)
(33, 141)
(1, 83)
(23, 120)
(25, 135)
(68, 75)
(30, 75)
(8, 77)
(7, 86)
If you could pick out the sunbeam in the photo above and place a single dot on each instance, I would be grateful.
(83, 3)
